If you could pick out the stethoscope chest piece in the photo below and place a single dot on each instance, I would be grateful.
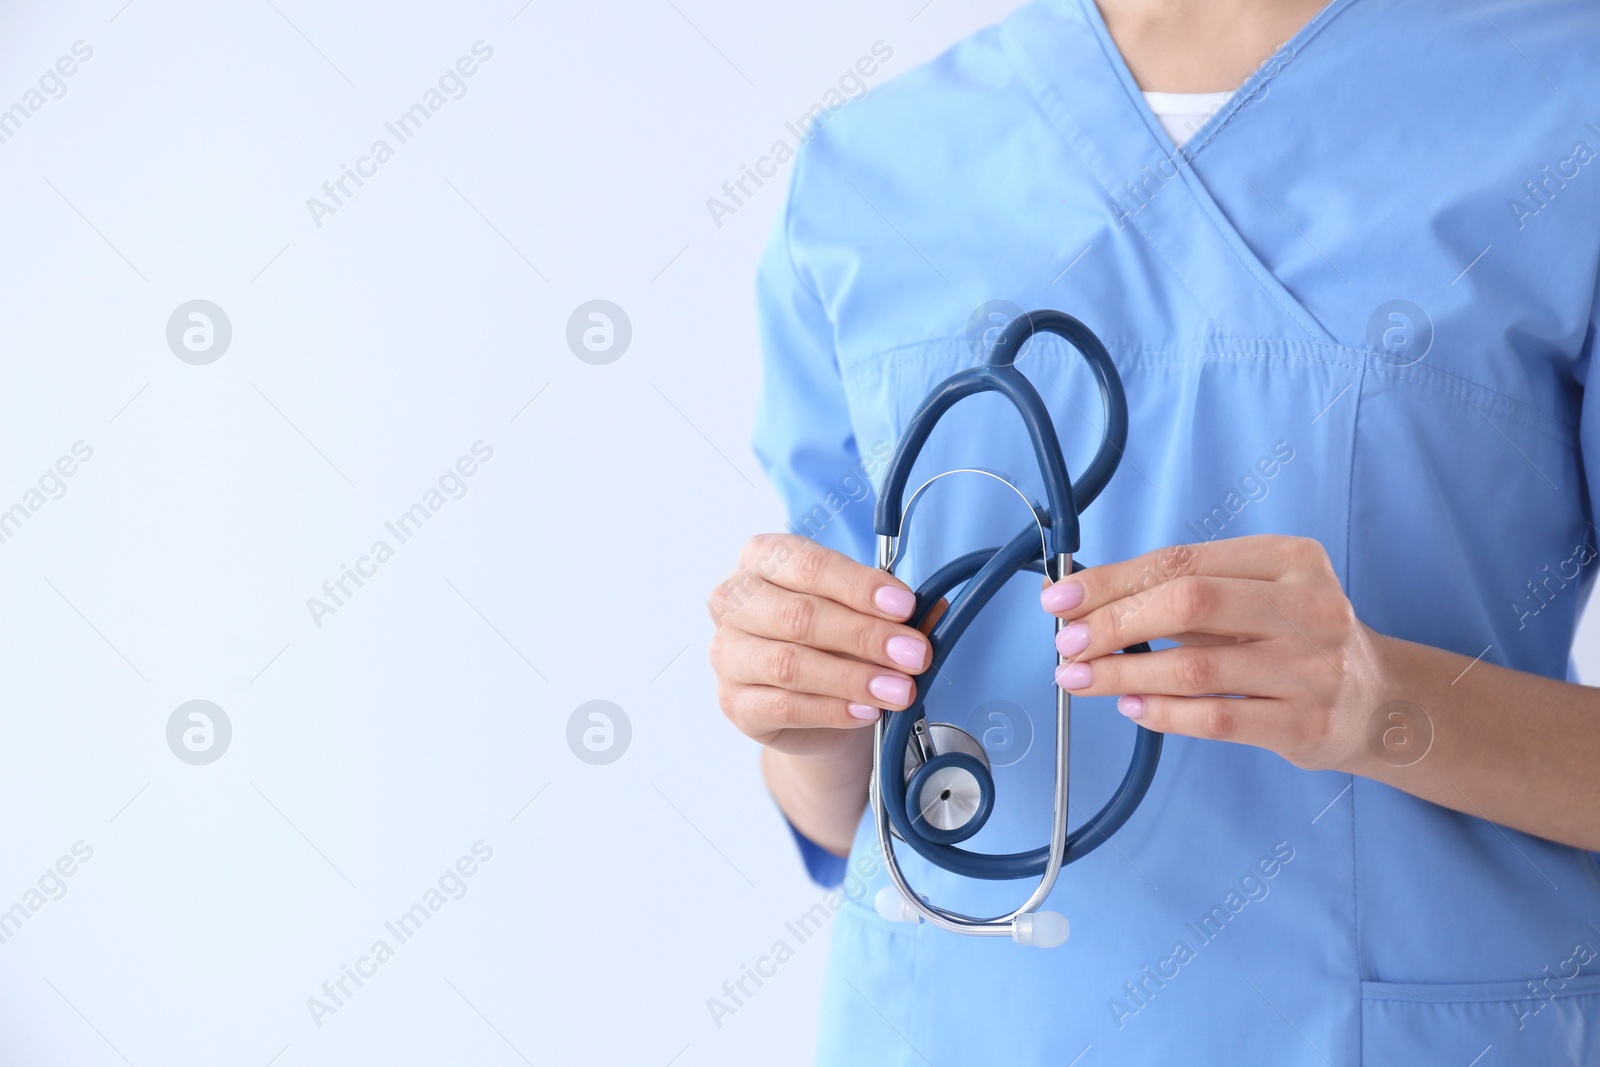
(949, 790)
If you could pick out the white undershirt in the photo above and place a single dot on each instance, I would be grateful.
(1181, 114)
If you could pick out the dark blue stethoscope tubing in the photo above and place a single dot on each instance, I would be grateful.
(998, 373)
(984, 572)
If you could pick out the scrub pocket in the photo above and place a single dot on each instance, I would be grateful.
(1552, 1024)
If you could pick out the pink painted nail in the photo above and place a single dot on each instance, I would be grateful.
(1132, 707)
(909, 652)
(890, 689)
(894, 601)
(1075, 676)
(1072, 639)
(1062, 596)
(861, 711)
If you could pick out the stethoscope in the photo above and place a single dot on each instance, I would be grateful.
(931, 782)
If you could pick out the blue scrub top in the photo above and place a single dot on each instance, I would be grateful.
(1359, 307)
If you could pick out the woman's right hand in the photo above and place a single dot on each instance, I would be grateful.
(811, 644)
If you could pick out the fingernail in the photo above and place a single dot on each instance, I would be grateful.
(1074, 676)
(1132, 707)
(861, 711)
(890, 689)
(1062, 596)
(1072, 639)
(908, 651)
(892, 600)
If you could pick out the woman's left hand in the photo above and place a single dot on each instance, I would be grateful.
(1271, 652)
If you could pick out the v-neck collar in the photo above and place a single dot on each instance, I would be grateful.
(1090, 12)
(1065, 55)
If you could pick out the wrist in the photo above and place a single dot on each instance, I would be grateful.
(822, 794)
(1391, 720)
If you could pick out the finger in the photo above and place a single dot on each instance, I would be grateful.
(806, 619)
(1251, 669)
(1189, 637)
(804, 566)
(1263, 557)
(759, 711)
(753, 660)
(1244, 720)
(1228, 607)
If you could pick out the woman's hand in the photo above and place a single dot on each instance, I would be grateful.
(1271, 653)
(810, 640)
(809, 646)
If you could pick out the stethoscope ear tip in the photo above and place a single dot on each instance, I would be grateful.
(890, 905)
(1041, 929)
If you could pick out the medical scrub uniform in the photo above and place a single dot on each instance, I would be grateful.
(1358, 306)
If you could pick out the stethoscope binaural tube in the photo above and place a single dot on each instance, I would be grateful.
(1064, 497)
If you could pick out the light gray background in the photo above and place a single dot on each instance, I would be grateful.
(428, 313)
